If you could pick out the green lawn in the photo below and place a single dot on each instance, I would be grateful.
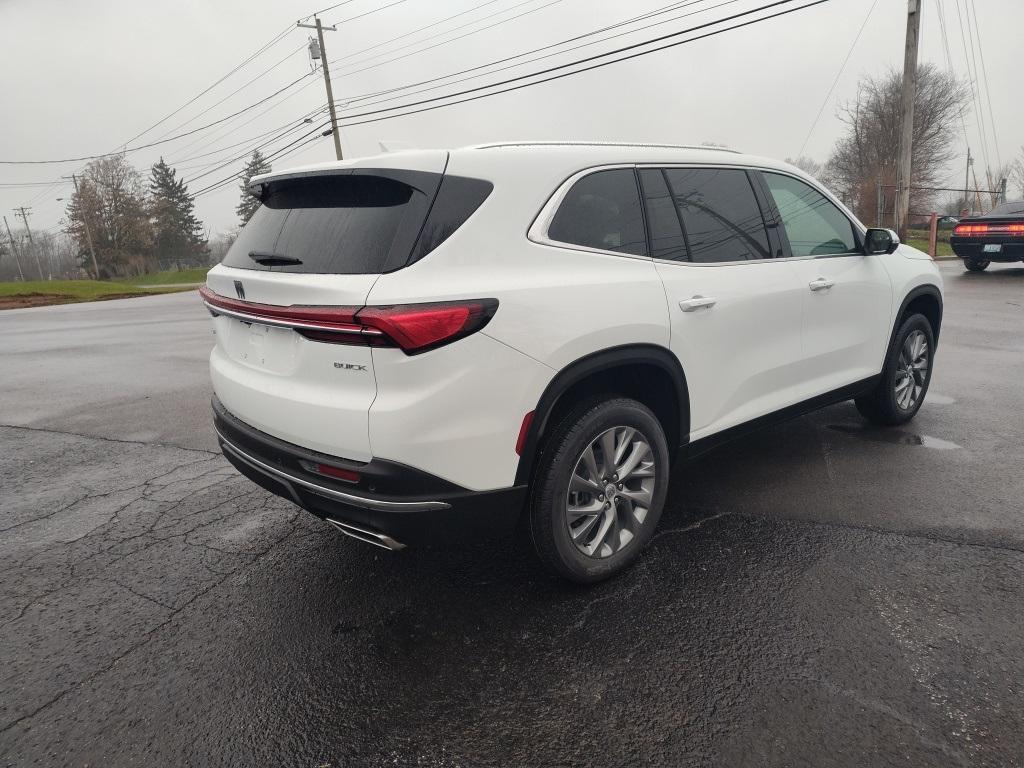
(171, 277)
(42, 292)
(944, 248)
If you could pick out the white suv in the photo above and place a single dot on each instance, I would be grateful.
(424, 343)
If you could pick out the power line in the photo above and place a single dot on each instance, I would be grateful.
(835, 81)
(586, 60)
(304, 139)
(266, 46)
(262, 74)
(154, 143)
(664, 9)
(442, 33)
(971, 77)
(988, 91)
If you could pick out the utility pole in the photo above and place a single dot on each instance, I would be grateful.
(327, 78)
(31, 243)
(967, 181)
(88, 234)
(904, 169)
(14, 250)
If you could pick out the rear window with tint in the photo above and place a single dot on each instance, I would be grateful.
(340, 224)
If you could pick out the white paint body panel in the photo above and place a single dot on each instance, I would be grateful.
(456, 411)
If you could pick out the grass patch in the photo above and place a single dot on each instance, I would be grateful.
(943, 248)
(38, 293)
(171, 277)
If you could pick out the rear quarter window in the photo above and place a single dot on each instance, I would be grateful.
(602, 210)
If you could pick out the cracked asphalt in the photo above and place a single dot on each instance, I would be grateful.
(822, 594)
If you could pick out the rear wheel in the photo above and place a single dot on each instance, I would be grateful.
(976, 265)
(902, 387)
(599, 489)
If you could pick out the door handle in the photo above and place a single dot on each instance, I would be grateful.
(821, 284)
(697, 302)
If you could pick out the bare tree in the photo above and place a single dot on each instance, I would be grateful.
(1016, 176)
(808, 165)
(111, 198)
(867, 154)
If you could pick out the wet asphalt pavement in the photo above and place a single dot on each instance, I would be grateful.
(822, 594)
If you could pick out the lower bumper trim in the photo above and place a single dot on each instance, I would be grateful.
(376, 505)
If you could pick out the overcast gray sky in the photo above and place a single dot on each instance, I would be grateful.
(82, 78)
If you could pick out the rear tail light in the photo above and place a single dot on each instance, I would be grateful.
(413, 328)
(975, 230)
(419, 327)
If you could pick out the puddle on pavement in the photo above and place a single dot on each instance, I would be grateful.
(936, 399)
(894, 436)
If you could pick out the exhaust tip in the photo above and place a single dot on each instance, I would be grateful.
(369, 537)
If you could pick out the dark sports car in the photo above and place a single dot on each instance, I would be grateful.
(996, 236)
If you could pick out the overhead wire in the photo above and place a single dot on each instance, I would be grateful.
(665, 9)
(835, 80)
(593, 62)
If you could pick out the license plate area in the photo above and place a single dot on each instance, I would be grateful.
(992, 248)
(265, 347)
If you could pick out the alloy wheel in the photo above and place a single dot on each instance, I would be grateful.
(610, 492)
(911, 370)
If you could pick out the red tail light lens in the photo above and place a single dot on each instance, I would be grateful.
(414, 328)
(974, 230)
(419, 327)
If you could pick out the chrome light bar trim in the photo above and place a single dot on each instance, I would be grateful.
(278, 323)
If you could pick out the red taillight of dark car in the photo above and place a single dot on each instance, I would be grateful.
(413, 328)
(981, 230)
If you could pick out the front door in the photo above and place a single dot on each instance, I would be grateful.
(847, 296)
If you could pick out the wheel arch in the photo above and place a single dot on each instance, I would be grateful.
(926, 300)
(617, 370)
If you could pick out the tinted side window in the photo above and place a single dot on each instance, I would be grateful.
(720, 213)
(663, 222)
(814, 225)
(602, 211)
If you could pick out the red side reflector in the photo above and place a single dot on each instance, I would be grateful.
(342, 474)
(524, 430)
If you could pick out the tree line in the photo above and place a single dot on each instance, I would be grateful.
(135, 225)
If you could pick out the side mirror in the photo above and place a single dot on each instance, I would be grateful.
(880, 241)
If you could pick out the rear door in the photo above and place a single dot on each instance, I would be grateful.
(735, 311)
(320, 240)
(847, 296)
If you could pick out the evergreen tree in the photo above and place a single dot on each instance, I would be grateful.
(177, 233)
(248, 204)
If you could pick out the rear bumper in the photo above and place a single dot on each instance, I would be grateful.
(391, 505)
(972, 248)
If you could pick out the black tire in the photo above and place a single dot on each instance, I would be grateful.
(881, 405)
(976, 265)
(549, 497)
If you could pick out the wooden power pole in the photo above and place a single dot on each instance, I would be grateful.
(327, 79)
(23, 211)
(904, 167)
(88, 234)
(14, 249)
